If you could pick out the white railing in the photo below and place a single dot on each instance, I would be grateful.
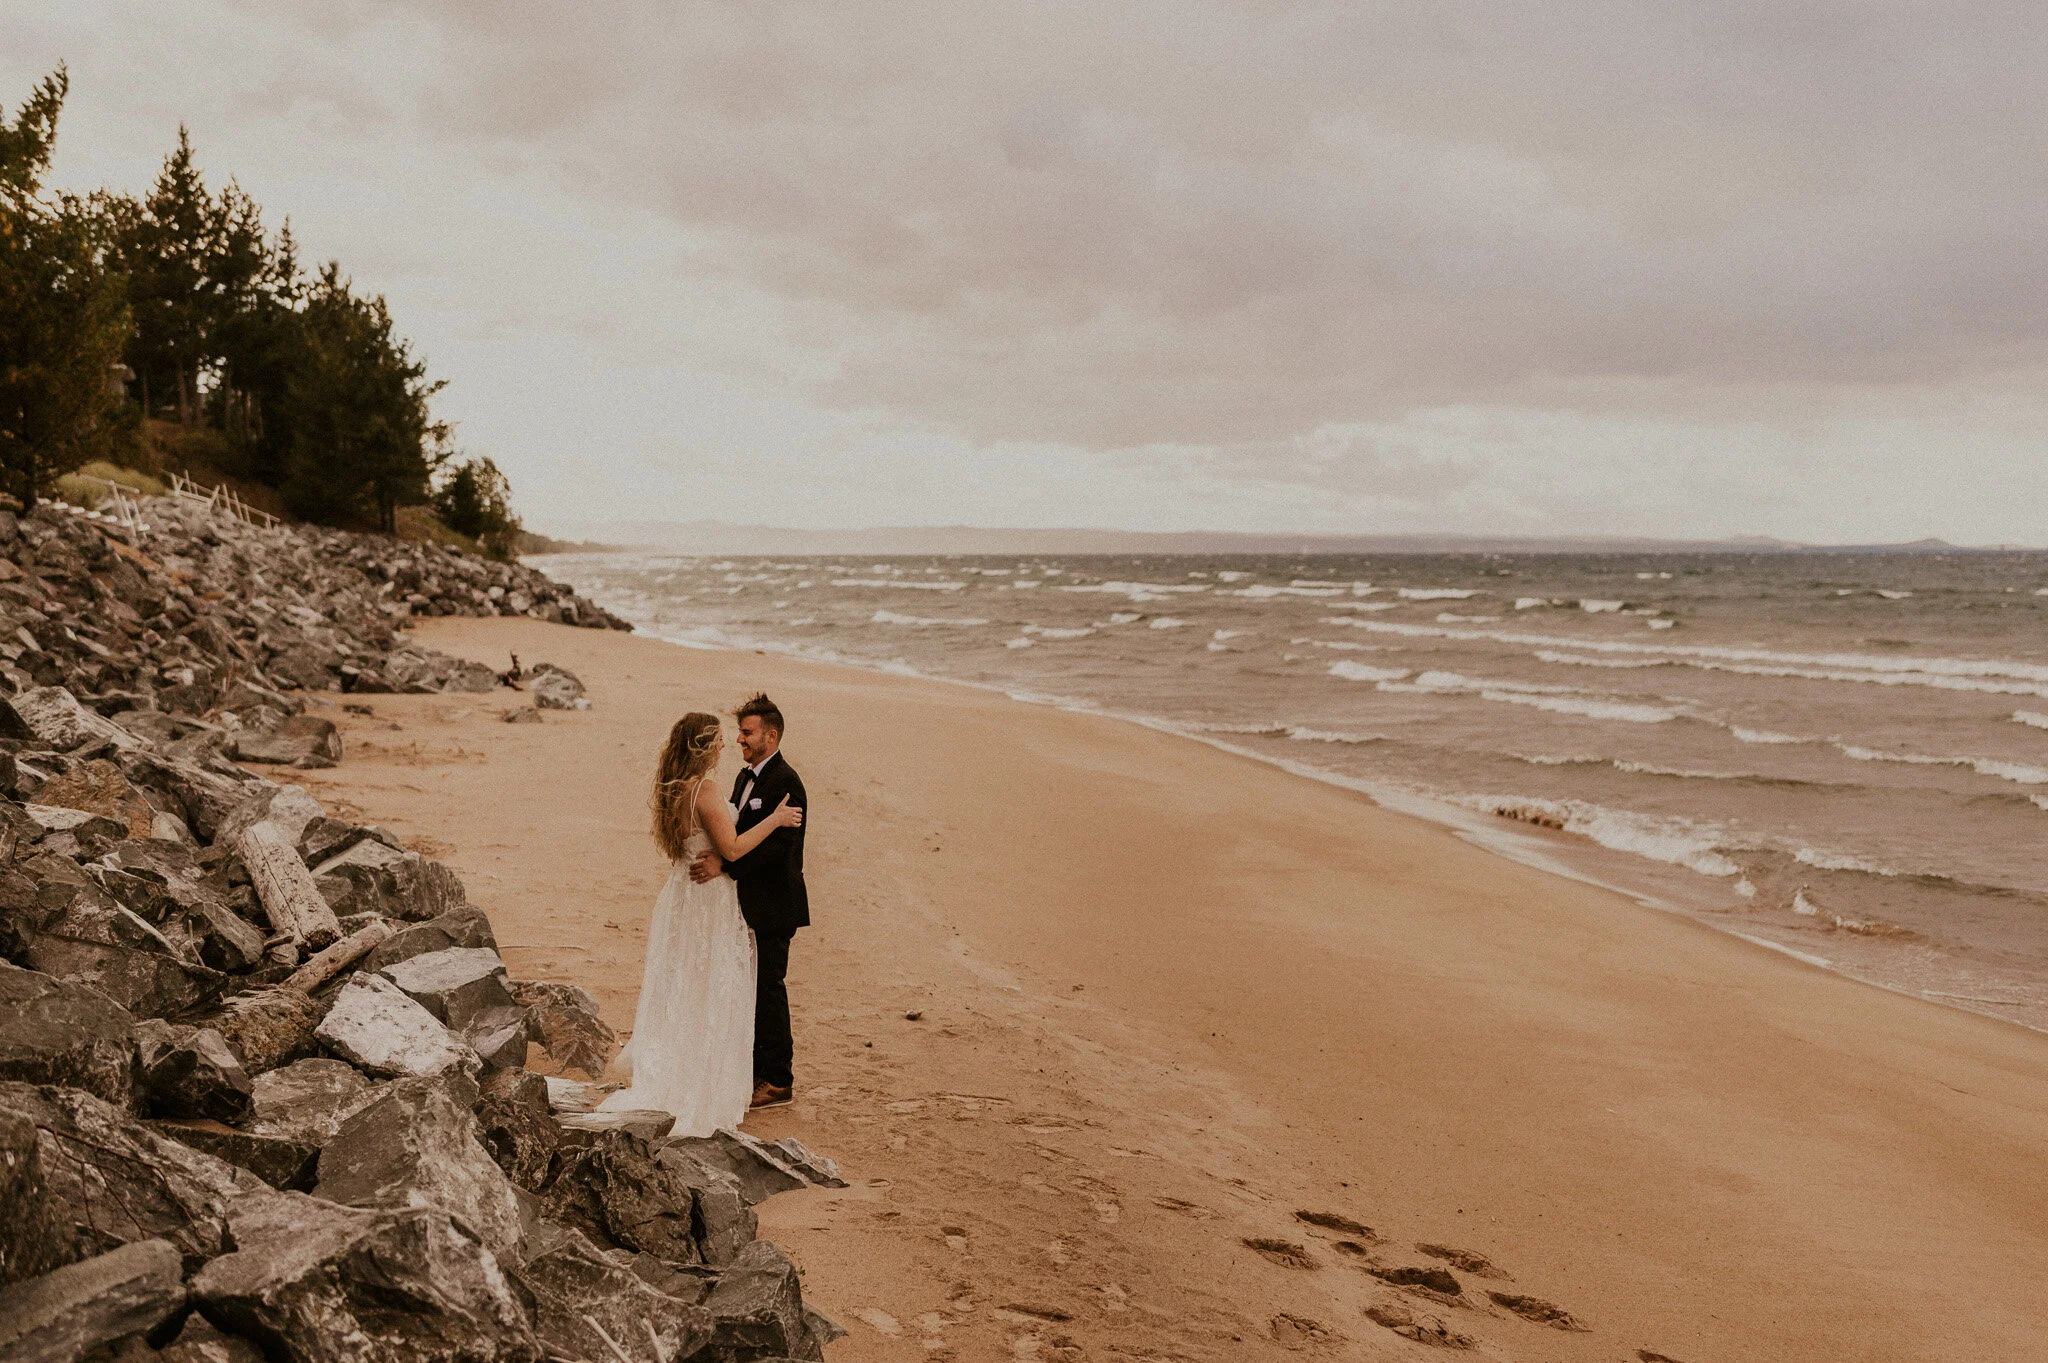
(127, 509)
(220, 498)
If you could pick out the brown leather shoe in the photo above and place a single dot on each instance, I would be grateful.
(771, 1095)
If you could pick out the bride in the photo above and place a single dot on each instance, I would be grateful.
(691, 1053)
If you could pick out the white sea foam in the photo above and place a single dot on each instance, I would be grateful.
(1363, 606)
(1995, 676)
(1600, 607)
(1351, 671)
(1167, 622)
(1591, 709)
(1674, 841)
(2015, 772)
(1261, 592)
(1124, 617)
(1447, 618)
(1893, 596)
(1025, 584)
(1045, 632)
(1562, 700)
(1802, 905)
(1140, 591)
(1305, 735)
(2033, 717)
(1223, 634)
(1524, 603)
(1840, 861)
(1232, 577)
(1742, 735)
(892, 618)
(1019, 642)
(1662, 624)
(893, 582)
(1438, 593)
(1552, 656)
(2040, 801)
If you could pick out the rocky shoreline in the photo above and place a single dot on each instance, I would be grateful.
(264, 1084)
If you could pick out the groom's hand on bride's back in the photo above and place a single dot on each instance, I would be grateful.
(707, 866)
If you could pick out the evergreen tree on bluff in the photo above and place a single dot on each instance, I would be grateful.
(63, 312)
(358, 440)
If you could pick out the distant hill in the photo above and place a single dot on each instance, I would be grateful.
(717, 537)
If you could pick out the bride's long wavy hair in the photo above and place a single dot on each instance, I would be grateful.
(687, 759)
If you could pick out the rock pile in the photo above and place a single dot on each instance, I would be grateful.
(262, 1084)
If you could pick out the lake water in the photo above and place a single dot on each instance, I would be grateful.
(1842, 755)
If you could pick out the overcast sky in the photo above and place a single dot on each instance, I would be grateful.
(1754, 267)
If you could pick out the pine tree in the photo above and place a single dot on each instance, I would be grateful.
(63, 313)
(360, 440)
(476, 500)
(170, 249)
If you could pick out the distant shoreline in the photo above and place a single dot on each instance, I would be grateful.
(712, 538)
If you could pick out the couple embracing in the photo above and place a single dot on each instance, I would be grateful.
(711, 1037)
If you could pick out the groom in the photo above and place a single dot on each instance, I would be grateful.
(771, 887)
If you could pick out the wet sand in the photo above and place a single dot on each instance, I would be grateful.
(1168, 998)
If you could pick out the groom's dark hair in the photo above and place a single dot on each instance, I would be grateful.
(763, 709)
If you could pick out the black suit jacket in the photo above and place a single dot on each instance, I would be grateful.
(771, 877)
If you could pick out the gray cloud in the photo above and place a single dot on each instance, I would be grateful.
(1461, 261)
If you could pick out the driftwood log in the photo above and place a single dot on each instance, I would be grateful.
(285, 887)
(337, 958)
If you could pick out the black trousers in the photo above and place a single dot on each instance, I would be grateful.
(774, 1047)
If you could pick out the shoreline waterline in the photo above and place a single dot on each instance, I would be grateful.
(1569, 856)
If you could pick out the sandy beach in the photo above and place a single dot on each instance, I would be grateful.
(1091, 1014)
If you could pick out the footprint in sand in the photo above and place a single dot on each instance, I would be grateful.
(1437, 1280)
(1102, 1197)
(1285, 1253)
(878, 1320)
(1299, 1332)
(1478, 1265)
(1422, 1329)
(1538, 1310)
(1332, 1221)
(1174, 1204)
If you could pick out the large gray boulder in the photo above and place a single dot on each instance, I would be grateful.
(586, 1305)
(370, 877)
(568, 1024)
(724, 1223)
(614, 1192)
(757, 1308)
(56, 717)
(466, 988)
(36, 1232)
(122, 1182)
(96, 942)
(191, 1072)
(415, 1147)
(376, 1028)
(283, 1164)
(67, 1313)
(762, 1168)
(54, 1032)
(301, 741)
(308, 1100)
(318, 1283)
(515, 1125)
(267, 1029)
(459, 927)
(556, 688)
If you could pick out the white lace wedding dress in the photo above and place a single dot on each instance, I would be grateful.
(692, 1049)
